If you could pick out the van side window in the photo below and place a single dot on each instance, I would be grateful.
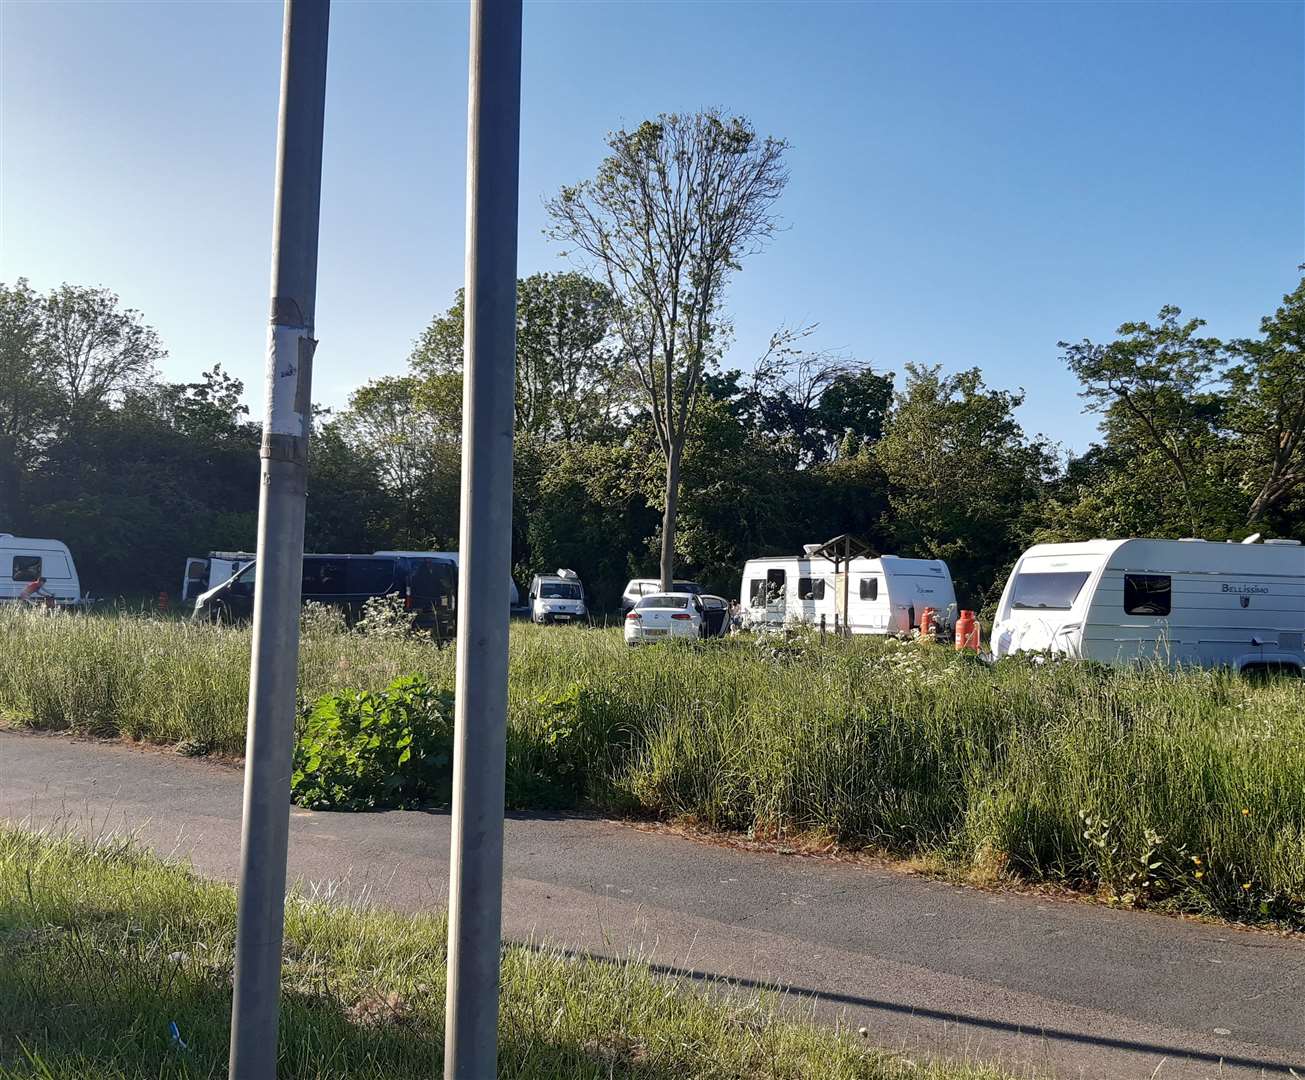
(811, 588)
(869, 588)
(27, 567)
(1147, 594)
(373, 577)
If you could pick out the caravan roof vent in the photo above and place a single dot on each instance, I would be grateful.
(1290, 543)
(1253, 538)
(1194, 540)
(569, 574)
(810, 549)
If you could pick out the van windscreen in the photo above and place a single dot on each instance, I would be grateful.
(559, 590)
(1047, 592)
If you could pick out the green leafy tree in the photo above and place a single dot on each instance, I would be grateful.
(673, 209)
(1267, 407)
(101, 351)
(569, 379)
(964, 481)
(414, 438)
(1153, 384)
(29, 400)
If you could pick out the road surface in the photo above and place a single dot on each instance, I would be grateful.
(923, 965)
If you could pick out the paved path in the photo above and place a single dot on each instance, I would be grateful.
(1095, 993)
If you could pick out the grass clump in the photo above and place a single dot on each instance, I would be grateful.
(1150, 786)
(103, 947)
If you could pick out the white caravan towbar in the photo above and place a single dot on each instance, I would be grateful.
(1190, 602)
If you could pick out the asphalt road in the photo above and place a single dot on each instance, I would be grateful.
(926, 966)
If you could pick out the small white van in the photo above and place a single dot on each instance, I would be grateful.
(884, 595)
(26, 559)
(557, 598)
(1184, 602)
(209, 571)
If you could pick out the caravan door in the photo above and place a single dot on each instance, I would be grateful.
(868, 599)
(195, 580)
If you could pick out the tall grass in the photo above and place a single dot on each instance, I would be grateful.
(1153, 786)
(103, 947)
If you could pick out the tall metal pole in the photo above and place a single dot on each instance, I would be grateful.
(274, 663)
(485, 544)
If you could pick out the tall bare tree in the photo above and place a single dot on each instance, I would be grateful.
(673, 209)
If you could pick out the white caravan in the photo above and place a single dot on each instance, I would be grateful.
(884, 595)
(212, 570)
(1191, 602)
(25, 560)
(514, 596)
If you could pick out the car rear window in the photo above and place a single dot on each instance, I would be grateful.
(663, 602)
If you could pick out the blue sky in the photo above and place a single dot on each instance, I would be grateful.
(970, 182)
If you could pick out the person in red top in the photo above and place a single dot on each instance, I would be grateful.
(34, 592)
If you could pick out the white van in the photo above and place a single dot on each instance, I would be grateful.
(884, 595)
(26, 559)
(1192, 602)
(557, 598)
(514, 596)
(209, 571)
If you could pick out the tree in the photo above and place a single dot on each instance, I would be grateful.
(414, 438)
(1267, 405)
(29, 402)
(100, 351)
(963, 478)
(809, 402)
(1152, 384)
(673, 209)
(568, 377)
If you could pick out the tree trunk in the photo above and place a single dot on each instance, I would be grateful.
(668, 517)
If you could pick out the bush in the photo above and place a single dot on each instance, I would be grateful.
(375, 750)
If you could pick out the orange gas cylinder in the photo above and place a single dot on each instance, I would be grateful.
(926, 622)
(163, 601)
(967, 632)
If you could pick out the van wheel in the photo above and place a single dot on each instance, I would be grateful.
(219, 615)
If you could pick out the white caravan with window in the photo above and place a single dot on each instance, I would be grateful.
(1193, 602)
(25, 560)
(884, 595)
(212, 570)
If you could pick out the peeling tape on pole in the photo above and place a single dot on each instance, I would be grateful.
(289, 381)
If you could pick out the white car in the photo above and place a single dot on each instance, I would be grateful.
(660, 616)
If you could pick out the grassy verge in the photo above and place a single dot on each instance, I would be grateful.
(1159, 788)
(103, 947)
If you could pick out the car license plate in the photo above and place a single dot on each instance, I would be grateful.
(654, 633)
(562, 618)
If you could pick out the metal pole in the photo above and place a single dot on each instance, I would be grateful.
(278, 575)
(485, 544)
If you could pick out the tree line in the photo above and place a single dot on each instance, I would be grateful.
(642, 442)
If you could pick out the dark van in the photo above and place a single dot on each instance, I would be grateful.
(429, 587)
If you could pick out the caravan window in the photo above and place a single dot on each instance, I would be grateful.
(1147, 594)
(869, 588)
(1047, 592)
(27, 567)
(811, 588)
